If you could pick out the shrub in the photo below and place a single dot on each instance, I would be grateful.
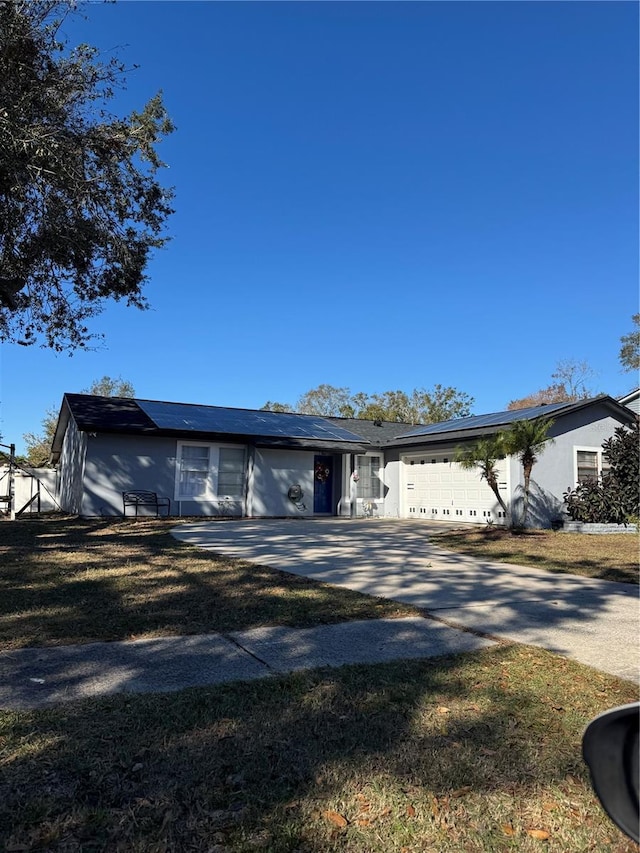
(616, 497)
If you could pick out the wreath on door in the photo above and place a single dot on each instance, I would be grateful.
(322, 472)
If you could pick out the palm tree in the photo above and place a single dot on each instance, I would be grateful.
(526, 439)
(484, 454)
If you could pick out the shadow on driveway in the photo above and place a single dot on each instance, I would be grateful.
(593, 621)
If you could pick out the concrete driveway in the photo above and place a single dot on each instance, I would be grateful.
(595, 622)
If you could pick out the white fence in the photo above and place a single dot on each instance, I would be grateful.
(27, 482)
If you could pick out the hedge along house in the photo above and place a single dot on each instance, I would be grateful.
(213, 461)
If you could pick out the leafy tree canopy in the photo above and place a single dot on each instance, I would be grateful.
(109, 387)
(572, 380)
(630, 349)
(420, 406)
(273, 406)
(80, 205)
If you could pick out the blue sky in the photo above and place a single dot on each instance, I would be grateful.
(372, 195)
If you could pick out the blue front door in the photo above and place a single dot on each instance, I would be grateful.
(322, 483)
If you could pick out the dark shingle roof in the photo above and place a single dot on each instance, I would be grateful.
(377, 432)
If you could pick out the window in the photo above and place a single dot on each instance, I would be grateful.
(590, 464)
(587, 465)
(208, 471)
(194, 471)
(369, 484)
(231, 472)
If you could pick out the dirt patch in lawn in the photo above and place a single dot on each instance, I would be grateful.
(611, 557)
(71, 580)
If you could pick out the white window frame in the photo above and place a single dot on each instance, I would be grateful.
(600, 460)
(371, 455)
(211, 492)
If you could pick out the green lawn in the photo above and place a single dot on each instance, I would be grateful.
(611, 557)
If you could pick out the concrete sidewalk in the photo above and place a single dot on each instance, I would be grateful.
(595, 622)
(41, 677)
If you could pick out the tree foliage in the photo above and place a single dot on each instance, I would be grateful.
(483, 455)
(420, 406)
(39, 444)
(527, 439)
(555, 393)
(630, 349)
(274, 406)
(572, 383)
(615, 497)
(110, 387)
(81, 208)
(326, 400)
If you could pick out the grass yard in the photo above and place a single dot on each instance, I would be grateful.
(613, 557)
(72, 581)
(479, 752)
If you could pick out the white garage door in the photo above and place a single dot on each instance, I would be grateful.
(437, 488)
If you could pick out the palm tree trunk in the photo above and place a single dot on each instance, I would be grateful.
(493, 484)
(527, 468)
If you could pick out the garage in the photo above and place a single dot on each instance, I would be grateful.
(438, 489)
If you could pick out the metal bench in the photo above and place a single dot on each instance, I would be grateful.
(142, 498)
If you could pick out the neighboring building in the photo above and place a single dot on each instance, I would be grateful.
(631, 400)
(213, 461)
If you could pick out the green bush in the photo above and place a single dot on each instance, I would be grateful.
(616, 497)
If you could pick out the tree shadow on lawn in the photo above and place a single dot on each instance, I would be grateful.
(83, 581)
(435, 753)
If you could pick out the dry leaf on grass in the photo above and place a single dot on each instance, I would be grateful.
(411, 812)
(508, 829)
(363, 821)
(443, 710)
(460, 792)
(336, 819)
(540, 834)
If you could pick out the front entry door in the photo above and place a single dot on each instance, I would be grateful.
(322, 484)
